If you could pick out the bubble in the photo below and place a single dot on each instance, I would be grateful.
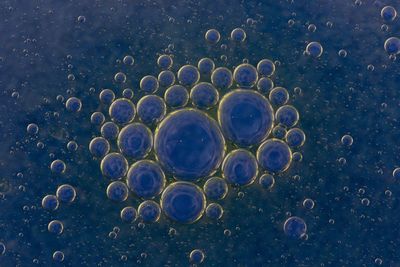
(274, 156)
(264, 85)
(378, 261)
(222, 78)
(176, 96)
(295, 137)
(58, 166)
(146, 179)
(149, 211)
(128, 214)
(55, 227)
(32, 129)
(212, 36)
(183, 202)
(267, 181)
(151, 109)
(58, 256)
(342, 53)
(120, 77)
(73, 104)
(165, 62)
(347, 140)
(72, 146)
(106, 96)
(266, 67)
(314, 49)
(66, 193)
(81, 19)
(97, 118)
(189, 144)
(297, 156)
(114, 166)
(2, 249)
(149, 84)
(308, 203)
(365, 201)
(396, 174)
(238, 35)
(245, 75)
(278, 96)
(128, 60)
(109, 130)
(312, 28)
(295, 227)
(122, 111)
(246, 117)
(214, 211)
(388, 13)
(188, 75)
(71, 77)
(240, 167)
(50, 202)
(204, 95)
(287, 116)
(127, 93)
(206, 66)
(117, 191)
(99, 147)
(279, 131)
(215, 188)
(135, 141)
(166, 78)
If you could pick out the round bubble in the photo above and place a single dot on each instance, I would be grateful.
(165, 62)
(176, 96)
(149, 211)
(106, 96)
(196, 256)
(117, 191)
(267, 181)
(238, 35)
(32, 129)
(55, 227)
(214, 211)
(128, 60)
(58, 256)
(189, 144)
(2, 249)
(279, 131)
(212, 36)
(128, 214)
(73, 104)
(295, 137)
(58, 166)
(146, 179)
(206, 66)
(266, 67)
(274, 155)
(204, 95)
(99, 147)
(314, 49)
(109, 130)
(392, 45)
(127, 93)
(245, 75)
(278, 96)
(297, 157)
(347, 140)
(50, 202)
(215, 188)
(265, 85)
(396, 173)
(122, 111)
(188, 75)
(308, 203)
(149, 84)
(120, 77)
(388, 13)
(66, 193)
(72, 146)
(246, 117)
(135, 141)
(183, 202)
(295, 227)
(166, 78)
(222, 78)
(151, 109)
(287, 116)
(114, 166)
(240, 167)
(97, 118)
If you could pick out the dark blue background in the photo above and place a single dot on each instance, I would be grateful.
(339, 96)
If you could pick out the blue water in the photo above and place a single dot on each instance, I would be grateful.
(44, 43)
